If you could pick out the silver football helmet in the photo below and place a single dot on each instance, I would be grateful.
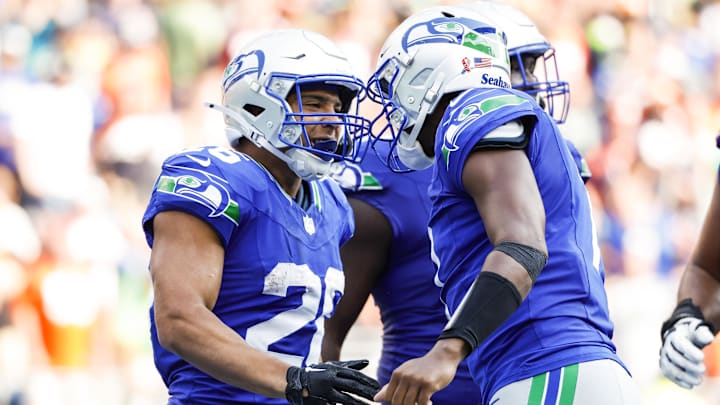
(532, 57)
(432, 53)
(256, 86)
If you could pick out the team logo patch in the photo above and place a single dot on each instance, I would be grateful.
(455, 127)
(470, 113)
(245, 64)
(204, 189)
(351, 176)
(309, 225)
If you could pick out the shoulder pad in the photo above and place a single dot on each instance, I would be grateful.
(512, 135)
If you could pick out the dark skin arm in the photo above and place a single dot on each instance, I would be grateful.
(186, 267)
(505, 192)
(701, 279)
(503, 186)
(364, 259)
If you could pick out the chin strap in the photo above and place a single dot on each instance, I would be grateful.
(409, 149)
(306, 165)
(413, 157)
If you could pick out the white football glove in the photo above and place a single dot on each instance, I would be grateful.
(681, 355)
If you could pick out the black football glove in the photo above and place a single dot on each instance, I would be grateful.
(330, 381)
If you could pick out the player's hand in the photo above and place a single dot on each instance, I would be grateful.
(417, 379)
(681, 355)
(331, 382)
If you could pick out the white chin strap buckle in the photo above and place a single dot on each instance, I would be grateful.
(306, 165)
(413, 157)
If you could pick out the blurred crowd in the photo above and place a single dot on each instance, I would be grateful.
(94, 94)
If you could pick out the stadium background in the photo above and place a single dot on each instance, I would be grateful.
(95, 94)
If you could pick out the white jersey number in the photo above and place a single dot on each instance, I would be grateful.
(277, 282)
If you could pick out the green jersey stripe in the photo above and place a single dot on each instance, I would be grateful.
(316, 195)
(537, 389)
(568, 385)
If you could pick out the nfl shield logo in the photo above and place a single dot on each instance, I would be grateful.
(309, 225)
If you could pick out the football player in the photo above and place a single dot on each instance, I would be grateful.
(693, 323)
(245, 260)
(389, 255)
(518, 264)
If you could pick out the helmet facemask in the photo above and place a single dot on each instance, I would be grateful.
(535, 72)
(399, 128)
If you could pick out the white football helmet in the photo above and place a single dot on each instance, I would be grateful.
(432, 53)
(257, 83)
(532, 57)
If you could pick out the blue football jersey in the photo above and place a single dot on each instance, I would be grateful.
(580, 162)
(564, 319)
(282, 274)
(409, 301)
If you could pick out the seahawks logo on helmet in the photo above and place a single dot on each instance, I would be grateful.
(456, 30)
(204, 189)
(245, 64)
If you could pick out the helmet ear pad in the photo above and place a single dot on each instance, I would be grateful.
(253, 109)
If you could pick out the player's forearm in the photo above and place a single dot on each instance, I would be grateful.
(338, 326)
(332, 341)
(202, 340)
(704, 289)
(453, 350)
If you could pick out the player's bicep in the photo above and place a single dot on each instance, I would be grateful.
(366, 253)
(186, 261)
(706, 254)
(373, 231)
(503, 187)
(502, 184)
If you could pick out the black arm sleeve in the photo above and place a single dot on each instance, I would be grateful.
(490, 301)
